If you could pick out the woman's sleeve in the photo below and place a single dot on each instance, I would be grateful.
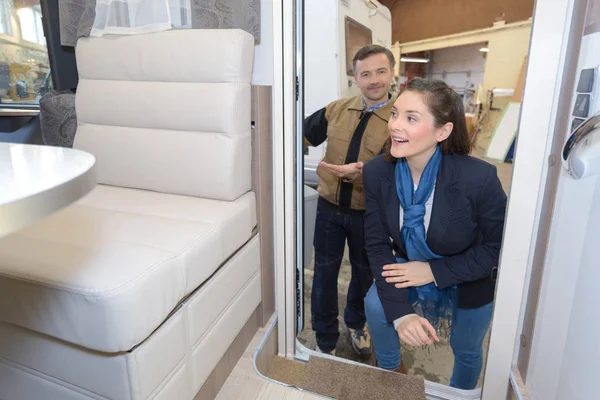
(479, 260)
(379, 245)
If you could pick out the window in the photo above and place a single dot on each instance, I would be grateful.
(30, 20)
(24, 66)
(5, 25)
(181, 17)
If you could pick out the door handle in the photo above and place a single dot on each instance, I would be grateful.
(571, 161)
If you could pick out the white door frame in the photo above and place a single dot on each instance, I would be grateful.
(546, 61)
(533, 283)
(550, 32)
(284, 142)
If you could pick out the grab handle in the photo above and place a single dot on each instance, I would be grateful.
(571, 160)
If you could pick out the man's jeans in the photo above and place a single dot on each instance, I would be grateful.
(332, 229)
(469, 327)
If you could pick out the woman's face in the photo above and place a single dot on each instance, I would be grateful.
(412, 129)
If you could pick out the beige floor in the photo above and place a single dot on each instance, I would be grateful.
(244, 383)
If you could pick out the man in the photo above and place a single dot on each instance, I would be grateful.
(356, 131)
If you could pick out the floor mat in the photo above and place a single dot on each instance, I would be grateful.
(344, 381)
(287, 371)
(353, 382)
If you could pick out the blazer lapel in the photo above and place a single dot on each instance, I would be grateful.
(444, 202)
(392, 209)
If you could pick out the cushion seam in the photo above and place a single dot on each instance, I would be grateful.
(162, 384)
(231, 136)
(145, 215)
(225, 309)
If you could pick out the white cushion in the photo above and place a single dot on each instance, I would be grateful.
(105, 272)
(163, 115)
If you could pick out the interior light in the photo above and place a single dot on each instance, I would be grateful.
(414, 59)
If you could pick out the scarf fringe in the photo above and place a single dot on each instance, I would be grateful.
(435, 305)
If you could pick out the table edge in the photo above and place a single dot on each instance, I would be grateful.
(23, 212)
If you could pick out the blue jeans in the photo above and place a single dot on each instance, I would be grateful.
(469, 327)
(332, 229)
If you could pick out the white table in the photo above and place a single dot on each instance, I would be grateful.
(36, 181)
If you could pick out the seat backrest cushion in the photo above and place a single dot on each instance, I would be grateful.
(169, 111)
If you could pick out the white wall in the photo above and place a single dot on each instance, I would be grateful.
(565, 353)
(464, 66)
(262, 73)
(508, 49)
(321, 66)
(580, 367)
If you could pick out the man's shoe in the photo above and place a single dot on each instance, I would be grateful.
(331, 353)
(361, 341)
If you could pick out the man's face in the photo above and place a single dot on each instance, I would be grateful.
(374, 77)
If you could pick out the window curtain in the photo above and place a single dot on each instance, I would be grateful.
(130, 17)
(81, 18)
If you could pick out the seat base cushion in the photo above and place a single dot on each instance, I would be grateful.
(105, 272)
(173, 363)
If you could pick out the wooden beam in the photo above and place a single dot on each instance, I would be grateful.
(458, 39)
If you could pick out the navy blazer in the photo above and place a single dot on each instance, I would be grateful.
(466, 226)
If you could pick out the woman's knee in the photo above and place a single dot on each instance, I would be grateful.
(465, 347)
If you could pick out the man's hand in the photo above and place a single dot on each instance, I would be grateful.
(413, 273)
(346, 171)
(413, 331)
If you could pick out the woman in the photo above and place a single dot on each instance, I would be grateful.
(433, 230)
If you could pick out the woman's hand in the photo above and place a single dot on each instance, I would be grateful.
(413, 331)
(413, 273)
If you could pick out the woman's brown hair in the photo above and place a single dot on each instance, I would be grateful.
(446, 106)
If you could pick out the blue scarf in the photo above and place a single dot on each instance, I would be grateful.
(434, 303)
